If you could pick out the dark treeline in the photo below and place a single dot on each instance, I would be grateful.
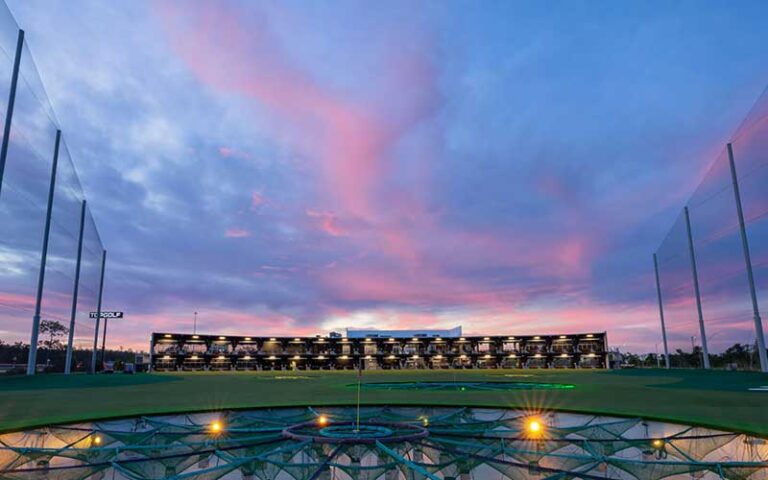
(13, 357)
(738, 357)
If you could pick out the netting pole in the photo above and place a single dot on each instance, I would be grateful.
(11, 103)
(98, 314)
(70, 339)
(32, 359)
(694, 272)
(661, 311)
(748, 261)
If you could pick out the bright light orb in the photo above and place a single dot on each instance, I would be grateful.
(534, 427)
(658, 443)
(216, 427)
(97, 440)
(322, 420)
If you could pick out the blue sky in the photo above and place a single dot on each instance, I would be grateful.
(300, 167)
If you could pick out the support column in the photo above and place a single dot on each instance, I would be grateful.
(661, 311)
(104, 341)
(11, 103)
(695, 274)
(70, 339)
(748, 261)
(32, 359)
(98, 314)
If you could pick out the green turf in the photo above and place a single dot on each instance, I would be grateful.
(716, 399)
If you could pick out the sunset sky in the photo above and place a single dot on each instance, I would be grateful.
(302, 167)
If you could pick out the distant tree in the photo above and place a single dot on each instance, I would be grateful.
(54, 330)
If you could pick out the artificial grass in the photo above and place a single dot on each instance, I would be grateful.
(715, 399)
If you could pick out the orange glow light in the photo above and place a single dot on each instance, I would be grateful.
(216, 427)
(534, 427)
(322, 420)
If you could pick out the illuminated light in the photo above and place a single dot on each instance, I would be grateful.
(463, 357)
(590, 335)
(391, 339)
(247, 357)
(438, 339)
(486, 338)
(392, 357)
(512, 356)
(564, 355)
(343, 357)
(221, 357)
(415, 356)
(272, 339)
(167, 335)
(216, 427)
(320, 357)
(424, 421)
(438, 357)
(194, 357)
(462, 339)
(322, 420)
(272, 357)
(414, 339)
(534, 426)
(222, 338)
(166, 357)
(97, 440)
(320, 340)
(536, 337)
(591, 355)
(248, 338)
(562, 336)
(538, 355)
(296, 339)
(510, 338)
(296, 357)
(195, 336)
(658, 443)
(367, 357)
(367, 339)
(487, 356)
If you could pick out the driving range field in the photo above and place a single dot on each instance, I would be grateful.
(707, 398)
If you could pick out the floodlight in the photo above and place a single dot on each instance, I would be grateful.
(216, 427)
(322, 420)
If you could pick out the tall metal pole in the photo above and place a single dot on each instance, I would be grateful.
(104, 341)
(32, 360)
(748, 261)
(695, 274)
(98, 314)
(70, 339)
(11, 103)
(661, 311)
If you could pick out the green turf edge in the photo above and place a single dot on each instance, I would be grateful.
(667, 419)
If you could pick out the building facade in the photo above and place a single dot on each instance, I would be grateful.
(177, 352)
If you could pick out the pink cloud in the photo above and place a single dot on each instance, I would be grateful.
(236, 233)
(257, 200)
(328, 222)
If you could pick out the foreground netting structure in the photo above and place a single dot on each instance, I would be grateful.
(389, 443)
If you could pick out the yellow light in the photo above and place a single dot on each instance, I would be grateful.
(221, 357)
(534, 427)
(463, 357)
(424, 421)
(564, 355)
(344, 357)
(97, 440)
(247, 357)
(367, 339)
(415, 356)
(367, 357)
(296, 357)
(222, 338)
(487, 356)
(167, 335)
(438, 357)
(216, 427)
(166, 357)
(195, 336)
(248, 338)
(536, 337)
(590, 336)
(657, 443)
(194, 357)
(320, 357)
(562, 336)
(272, 357)
(271, 339)
(486, 338)
(392, 357)
(322, 420)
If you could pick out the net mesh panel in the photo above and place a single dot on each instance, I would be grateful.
(726, 302)
(677, 289)
(23, 205)
(750, 152)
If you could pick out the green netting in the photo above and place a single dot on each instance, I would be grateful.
(461, 443)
